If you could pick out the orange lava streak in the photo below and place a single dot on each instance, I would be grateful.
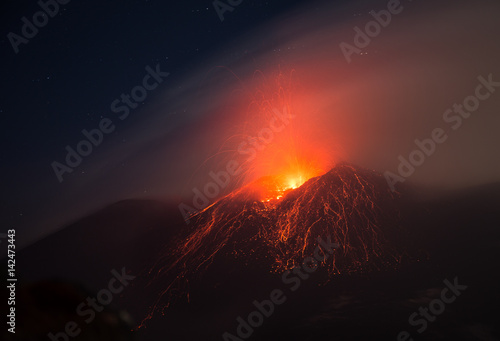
(277, 235)
(274, 222)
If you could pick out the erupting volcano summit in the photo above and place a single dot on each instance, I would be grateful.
(271, 228)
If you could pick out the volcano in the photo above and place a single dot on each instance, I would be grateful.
(267, 227)
(394, 252)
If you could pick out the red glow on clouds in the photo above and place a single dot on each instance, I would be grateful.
(278, 138)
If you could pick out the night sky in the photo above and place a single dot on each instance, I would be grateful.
(89, 54)
(65, 78)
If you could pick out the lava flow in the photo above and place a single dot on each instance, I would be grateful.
(270, 226)
(272, 188)
(273, 223)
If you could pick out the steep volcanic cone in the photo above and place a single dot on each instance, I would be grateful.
(274, 230)
(354, 208)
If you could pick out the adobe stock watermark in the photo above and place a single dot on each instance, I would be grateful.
(122, 107)
(29, 29)
(221, 7)
(372, 29)
(265, 309)
(250, 148)
(94, 305)
(454, 116)
(436, 307)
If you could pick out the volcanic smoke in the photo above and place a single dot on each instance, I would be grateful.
(273, 222)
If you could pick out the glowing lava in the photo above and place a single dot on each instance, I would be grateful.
(269, 189)
(271, 227)
(273, 222)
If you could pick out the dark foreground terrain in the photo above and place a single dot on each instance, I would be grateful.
(456, 237)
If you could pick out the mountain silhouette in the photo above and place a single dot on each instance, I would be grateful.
(395, 251)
